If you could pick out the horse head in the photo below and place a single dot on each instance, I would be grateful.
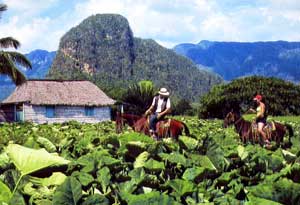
(124, 118)
(230, 119)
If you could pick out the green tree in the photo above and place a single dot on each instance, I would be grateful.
(183, 107)
(9, 59)
(281, 97)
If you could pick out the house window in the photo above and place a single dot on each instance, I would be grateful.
(89, 111)
(50, 111)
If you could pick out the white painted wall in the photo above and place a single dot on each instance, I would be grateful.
(37, 114)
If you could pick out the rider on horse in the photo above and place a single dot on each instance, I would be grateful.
(161, 105)
(261, 118)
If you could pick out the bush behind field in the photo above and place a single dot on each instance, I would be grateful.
(281, 97)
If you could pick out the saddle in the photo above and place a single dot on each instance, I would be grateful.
(163, 127)
(269, 126)
(164, 123)
(268, 129)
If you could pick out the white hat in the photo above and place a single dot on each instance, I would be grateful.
(164, 92)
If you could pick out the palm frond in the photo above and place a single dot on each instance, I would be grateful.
(3, 7)
(9, 42)
(7, 67)
(19, 58)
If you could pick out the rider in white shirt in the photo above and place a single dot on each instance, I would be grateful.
(161, 105)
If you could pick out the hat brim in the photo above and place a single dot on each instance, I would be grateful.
(164, 94)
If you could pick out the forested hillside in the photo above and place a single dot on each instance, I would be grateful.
(103, 49)
(279, 59)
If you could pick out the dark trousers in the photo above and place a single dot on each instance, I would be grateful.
(153, 120)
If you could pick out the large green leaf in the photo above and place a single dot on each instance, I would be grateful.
(84, 178)
(47, 144)
(283, 191)
(188, 142)
(175, 158)
(103, 176)
(30, 160)
(4, 160)
(57, 178)
(141, 159)
(137, 175)
(181, 187)
(191, 173)
(127, 188)
(68, 193)
(202, 160)
(5, 193)
(154, 165)
(17, 198)
(152, 198)
(96, 199)
(97, 159)
(288, 156)
(260, 201)
(243, 154)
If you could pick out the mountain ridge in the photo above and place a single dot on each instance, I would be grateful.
(232, 60)
(102, 49)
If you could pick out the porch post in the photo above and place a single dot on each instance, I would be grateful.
(23, 112)
(15, 113)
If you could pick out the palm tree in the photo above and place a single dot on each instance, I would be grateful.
(9, 59)
(139, 97)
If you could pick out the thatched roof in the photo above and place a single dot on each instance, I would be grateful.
(59, 92)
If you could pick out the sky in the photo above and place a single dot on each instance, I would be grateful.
(39, 24)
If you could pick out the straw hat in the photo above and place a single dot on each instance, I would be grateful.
(164, 92)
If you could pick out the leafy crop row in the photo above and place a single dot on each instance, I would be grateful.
(75, 163)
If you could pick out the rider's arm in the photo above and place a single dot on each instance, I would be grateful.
(150, 109)
(167, 110)
(251, 110)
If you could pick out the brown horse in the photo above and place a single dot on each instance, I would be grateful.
(248, 130)
(165, 128)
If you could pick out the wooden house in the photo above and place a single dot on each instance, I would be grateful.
(49, 101)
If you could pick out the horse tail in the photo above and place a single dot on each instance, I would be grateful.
(119, 123)
(290, 129)
(186, 129)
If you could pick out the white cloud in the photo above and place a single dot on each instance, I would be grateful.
(167, 22)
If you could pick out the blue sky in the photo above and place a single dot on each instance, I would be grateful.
(40, 24)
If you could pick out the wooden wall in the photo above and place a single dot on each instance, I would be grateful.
(37, 114)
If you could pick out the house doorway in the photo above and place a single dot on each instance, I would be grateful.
(19, 113)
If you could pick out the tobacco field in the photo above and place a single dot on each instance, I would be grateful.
(90, 164)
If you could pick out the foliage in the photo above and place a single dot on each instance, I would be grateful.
(183, 107)
(211, 166)
(138, 97)
(281, 97)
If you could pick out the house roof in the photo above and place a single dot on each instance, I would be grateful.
(59, 92)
